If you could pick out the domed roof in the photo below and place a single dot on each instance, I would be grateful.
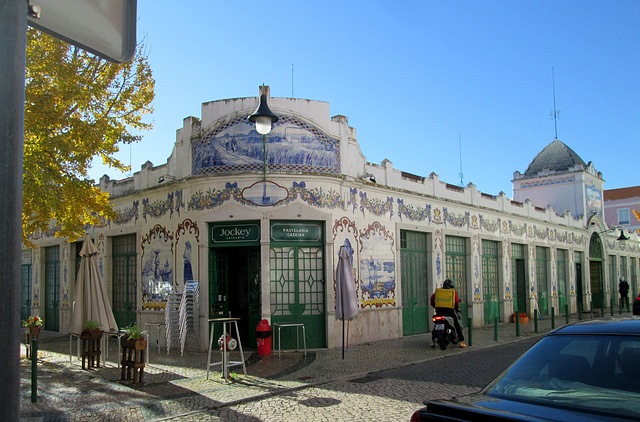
(557, 157)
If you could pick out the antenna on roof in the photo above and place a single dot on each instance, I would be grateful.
(555, 113)
(460, 174)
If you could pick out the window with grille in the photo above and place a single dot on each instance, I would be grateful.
(52, 288)
(623, 216)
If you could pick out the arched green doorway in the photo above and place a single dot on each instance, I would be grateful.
(595, 269)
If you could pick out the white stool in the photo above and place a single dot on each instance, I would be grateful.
(297, 325)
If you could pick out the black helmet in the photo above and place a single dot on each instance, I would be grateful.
(448, 284)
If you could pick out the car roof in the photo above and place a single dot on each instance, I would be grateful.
(607, 326)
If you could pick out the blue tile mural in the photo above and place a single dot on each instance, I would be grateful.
(377, 267)
(157, 267)
(292, 145)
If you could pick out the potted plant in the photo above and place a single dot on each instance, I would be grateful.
(33, 323)
(133, 338)
(92, 330)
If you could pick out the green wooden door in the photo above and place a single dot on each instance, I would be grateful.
(596, 256)
(563, 290)
(518, 278)
(456, 255)
(124, 259)
(52, 288)
(415, 296)
(543, 281)
(297, 283)
(490, 287)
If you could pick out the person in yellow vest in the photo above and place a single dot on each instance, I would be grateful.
(445, 300)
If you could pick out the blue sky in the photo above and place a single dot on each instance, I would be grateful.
(413, 77)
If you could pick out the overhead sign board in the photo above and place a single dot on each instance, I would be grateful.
(235, 233)
(296, 232)
(106, 28)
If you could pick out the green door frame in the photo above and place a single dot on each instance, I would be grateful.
(415, 282)
(236, 243)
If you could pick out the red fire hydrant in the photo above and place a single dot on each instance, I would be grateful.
(263, 336)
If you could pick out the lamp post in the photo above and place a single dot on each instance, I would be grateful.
(263, 118)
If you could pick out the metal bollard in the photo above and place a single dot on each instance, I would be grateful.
(611, 306)
(579, 310)
(566, 313)
(535, 319)
(470, 332)
(591, 308)
(34, 370)
(495, 331)
(553, 317)
(517, 321)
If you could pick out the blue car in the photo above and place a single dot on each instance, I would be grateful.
(587, 371)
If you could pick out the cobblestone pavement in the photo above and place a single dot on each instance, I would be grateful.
(316, 387)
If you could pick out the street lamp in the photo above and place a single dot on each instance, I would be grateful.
(263, 118)
(620, 238)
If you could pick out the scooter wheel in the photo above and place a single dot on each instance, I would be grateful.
(442, 341)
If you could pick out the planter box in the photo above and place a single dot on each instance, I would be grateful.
(133, 359)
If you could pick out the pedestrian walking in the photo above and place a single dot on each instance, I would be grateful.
(623, 288)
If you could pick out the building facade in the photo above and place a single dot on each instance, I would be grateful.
(259, 221)
(619, 205)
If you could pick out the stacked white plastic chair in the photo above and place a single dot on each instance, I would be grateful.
(172, 318)
(189, 306)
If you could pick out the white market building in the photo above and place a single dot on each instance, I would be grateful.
(263, 241)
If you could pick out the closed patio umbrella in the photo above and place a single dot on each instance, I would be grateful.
(91, 302)
(346, 300)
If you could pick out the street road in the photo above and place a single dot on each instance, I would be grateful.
(391, 395)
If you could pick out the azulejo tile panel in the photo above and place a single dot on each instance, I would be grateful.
(292, 145)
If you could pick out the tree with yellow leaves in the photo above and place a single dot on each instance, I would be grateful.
(77, 107)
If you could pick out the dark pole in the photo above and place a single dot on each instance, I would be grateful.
(13, 44)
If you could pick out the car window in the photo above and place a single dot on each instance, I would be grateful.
(581, 372)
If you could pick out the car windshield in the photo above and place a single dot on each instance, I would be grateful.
(589, 373)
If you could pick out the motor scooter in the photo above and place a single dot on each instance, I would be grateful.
(444, 329)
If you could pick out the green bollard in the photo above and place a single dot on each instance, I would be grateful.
(34, 370)
(517, 321)
(495, 331)
(470, 333)
(535, 320)
(591, 309)
(611, 306)
(579, 311)
(553, 317)
(566, 313)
